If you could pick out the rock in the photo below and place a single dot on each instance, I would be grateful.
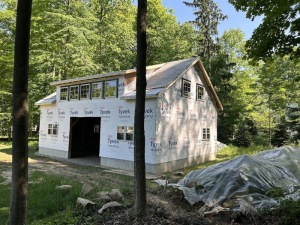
(102, 193)
(109, 205)
(86, 189)
(64, 187)
(116, 195)
(103, 196)
(104, 199)
(179, 173)
(85, 203)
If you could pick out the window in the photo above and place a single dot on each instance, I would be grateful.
(186, 88)
(96, 129)
(64, 93)
(97, 90)
(84, 91)
(200, 92)
(74, 92)
(53, 129)
(111, 88)
(120, 133)
(129, 133)
(205, 133)
(125, 133)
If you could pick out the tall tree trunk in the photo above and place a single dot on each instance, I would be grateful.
(139, 131)
(18, 202)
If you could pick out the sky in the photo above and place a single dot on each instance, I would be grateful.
(235, 19)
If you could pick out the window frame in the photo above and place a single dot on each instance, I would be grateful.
(88, 94)
(125, 135)
(92, 90)
(197, 92)
(129, 134)
(205, 134)
(70, 93)
(116, 89)
(53, 129)
(121, 133)
(67, 94)
(185, 93)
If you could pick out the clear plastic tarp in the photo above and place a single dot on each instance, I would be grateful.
(242, 182)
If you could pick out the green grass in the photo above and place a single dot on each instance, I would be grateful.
(6, 147)
(4, 203)
(228, 153)
(43, 199)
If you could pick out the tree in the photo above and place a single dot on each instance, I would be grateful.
(208, 16)
(167, 40)
(18, 203)
(63, 39)
(7, 34)
(278, 86)
(115, 48)
(139, 128)
(279, 31)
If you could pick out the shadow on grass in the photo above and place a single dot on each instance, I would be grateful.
(6, 147)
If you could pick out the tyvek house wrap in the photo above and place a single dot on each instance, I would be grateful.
(245, 179)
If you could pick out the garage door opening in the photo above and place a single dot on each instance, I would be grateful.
(84, 136)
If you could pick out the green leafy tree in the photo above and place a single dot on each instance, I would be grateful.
(7, 34)
(278, 85)
(62, 39)
(167, 40)
(234, 81)
(115, 47)
(279, 31)
(208, 16)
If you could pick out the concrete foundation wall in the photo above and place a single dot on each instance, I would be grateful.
(157, 168)
(53, 152)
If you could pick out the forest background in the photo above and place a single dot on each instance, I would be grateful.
(75, 38)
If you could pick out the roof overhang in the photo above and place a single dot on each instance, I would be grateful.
(49, 100)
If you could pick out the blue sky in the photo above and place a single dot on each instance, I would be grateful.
(235, 19)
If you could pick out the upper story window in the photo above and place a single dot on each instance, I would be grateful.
(111, 88)
(199, 91)
(100, 89)
(74, 92)
(186, 88)
(84, 91)
(64, 93)
(205, 134)
(97, 90)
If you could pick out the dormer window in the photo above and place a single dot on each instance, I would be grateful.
(186, 88)
(111, 88)
(64, 93)
(97, 90)
(74, 92)
(84, 91)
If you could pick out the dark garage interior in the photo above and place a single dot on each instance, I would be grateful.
(84, 136)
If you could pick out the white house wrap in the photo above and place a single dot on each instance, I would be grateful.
(94, 115)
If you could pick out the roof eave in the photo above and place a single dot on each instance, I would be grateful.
(210, 86)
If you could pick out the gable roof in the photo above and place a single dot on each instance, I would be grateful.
(166, 75)
(159, 78)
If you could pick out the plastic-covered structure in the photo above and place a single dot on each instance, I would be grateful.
(243, 181)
